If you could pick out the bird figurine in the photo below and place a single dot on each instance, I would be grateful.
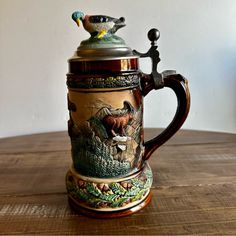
(98, 25)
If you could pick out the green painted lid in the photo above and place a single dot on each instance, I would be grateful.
(110, 47)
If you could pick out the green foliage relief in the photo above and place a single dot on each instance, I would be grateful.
(96, 154)
(114, 195)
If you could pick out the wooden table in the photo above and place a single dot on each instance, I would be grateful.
(194, 189)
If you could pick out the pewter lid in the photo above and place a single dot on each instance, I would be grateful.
(103, 43)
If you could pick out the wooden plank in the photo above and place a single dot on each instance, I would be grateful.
(59, 141)
(186, 210)
(194, 189)
(55, 141)
(31, 173)
(44, 172)
(194, 165)
(189, 137)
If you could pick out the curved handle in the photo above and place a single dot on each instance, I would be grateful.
(156, 80)
(180, 86)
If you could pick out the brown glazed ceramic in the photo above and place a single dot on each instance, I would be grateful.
(110, 175)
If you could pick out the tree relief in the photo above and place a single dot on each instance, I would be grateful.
(109, 143)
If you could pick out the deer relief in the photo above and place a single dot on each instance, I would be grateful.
(117, 120)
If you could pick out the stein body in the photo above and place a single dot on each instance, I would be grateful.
(106, 126)
(110, 175)
(105, 104)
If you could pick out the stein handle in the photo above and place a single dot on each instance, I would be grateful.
(156, 81)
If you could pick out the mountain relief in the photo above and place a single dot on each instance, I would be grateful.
(108, 144)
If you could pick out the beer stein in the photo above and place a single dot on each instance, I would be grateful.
(110, 175)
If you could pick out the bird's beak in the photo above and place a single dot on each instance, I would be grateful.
(78, 22)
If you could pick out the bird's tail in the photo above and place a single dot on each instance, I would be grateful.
(121, 20)
(119, 23)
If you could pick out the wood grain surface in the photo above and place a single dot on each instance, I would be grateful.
(194, 189)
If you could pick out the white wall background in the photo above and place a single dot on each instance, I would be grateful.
(198, 38)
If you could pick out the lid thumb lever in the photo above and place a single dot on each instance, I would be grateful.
(153, 53)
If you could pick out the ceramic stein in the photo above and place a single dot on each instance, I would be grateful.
(110, 175)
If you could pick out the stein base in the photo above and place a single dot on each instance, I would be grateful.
(110, 214)
(110, 197)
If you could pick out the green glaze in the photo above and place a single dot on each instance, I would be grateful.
(108, 41)
(109, 195)
(97, 153)
(120, 81)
